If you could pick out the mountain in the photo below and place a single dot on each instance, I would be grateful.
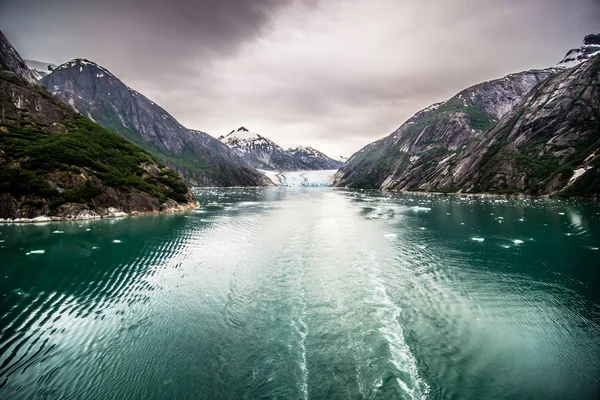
(535, 132)
(97, 94)
(261, 152)
(590, 48)
(550, 144)
(421, 154)
(56, 164)
(40, 69)
(313, 158)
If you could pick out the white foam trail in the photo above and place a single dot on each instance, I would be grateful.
(58, 232)
(117, 241)
(518, 241)
(478, 239)
(36, 252)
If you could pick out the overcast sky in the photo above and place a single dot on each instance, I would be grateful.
(332, 74)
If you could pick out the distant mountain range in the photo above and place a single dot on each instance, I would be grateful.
(263, 153)
(535, 132)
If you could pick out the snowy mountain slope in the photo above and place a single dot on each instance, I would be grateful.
(314, 158)
(40, 69)
(590, 48)
(261, 152)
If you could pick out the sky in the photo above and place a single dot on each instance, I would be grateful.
(332, 74)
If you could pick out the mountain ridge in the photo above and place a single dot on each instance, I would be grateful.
(95, 92)
(485, 140)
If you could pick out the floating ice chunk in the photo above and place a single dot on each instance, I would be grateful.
(1, 241)
(594, 248)
(36, 252)
(505, 246)
(88, 229)
(521, 219)
(478, 239)
(390, 235)
(462, 223)
(518, 241)
(116, 241)
(95, 247)
(568, 234)
(422, 228)
(58, 232)
(419, 208)
(561, 213)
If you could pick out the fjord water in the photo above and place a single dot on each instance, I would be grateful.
(307, 293)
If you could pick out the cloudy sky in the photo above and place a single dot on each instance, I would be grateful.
(333, 74)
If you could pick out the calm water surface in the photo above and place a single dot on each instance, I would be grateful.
(307, 294)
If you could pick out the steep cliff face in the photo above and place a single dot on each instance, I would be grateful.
(422, 153)
(56, 164)
(261, 152)
(549, 144)
(313, 158)
(97, 94)
(11, 61)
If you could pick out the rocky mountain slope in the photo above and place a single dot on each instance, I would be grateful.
(548, 145)
(261, 152)
(534, 132)
(313, 158)
(97, 94)
(56, 164)
(421, 153)
(40, 69)
(590, 48)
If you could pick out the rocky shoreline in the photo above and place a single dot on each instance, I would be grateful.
(111, 212)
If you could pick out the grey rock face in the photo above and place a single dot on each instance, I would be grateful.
(422, 153)
(97, 94)
(313, 158)
(11, 61)
(550, 144)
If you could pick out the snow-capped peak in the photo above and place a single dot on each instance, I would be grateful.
(242, 134)
(244, 140)
(83, 64)
(589, 49)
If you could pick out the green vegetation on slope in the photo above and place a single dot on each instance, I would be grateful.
(29, 153)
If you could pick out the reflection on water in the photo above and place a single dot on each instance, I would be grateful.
(307, 293)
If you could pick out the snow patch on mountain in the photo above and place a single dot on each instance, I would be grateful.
(589, 49)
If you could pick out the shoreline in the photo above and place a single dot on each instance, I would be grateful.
(91, 215)
(482, 195)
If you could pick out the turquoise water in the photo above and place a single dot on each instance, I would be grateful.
(309, 293)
